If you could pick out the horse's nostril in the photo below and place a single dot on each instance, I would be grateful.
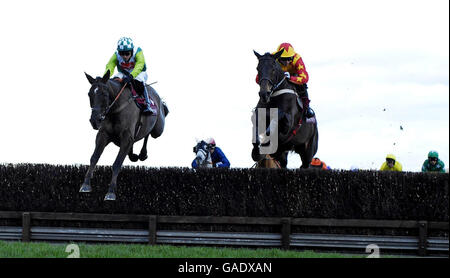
(263, 95)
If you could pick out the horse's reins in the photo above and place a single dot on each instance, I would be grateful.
(103, 116)
(274, 88)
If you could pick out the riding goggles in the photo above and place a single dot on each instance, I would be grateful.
(286, 59)
(124, 53)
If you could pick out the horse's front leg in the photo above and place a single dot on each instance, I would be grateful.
(101, 141)
(256, 154)
(282, 159)
(133, 157)
(143, 154)
(126, 144)
(304, 155)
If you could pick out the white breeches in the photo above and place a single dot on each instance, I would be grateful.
(141, 77)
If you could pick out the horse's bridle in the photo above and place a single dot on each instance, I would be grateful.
(105, 113)
(274, 87)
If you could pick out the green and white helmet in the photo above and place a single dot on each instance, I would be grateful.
(125, 44)
(433, 154)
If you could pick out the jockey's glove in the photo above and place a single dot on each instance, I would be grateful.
(287, 74)
(127, 79)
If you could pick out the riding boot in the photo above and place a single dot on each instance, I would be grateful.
(306, 101)
(302, 92)
(149, 109)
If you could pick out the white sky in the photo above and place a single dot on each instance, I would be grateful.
(373, 65)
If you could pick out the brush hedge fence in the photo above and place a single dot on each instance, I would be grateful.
(228, 192)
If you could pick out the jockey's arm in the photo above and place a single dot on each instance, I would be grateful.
(111, 64)
(140, 63)
(194, 163)
(300, 75)
(424, 166)
(223, 159)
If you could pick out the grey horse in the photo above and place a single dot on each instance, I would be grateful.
(120, 121)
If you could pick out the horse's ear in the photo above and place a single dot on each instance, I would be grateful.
(278, 54)
(105, 77)
(89, 78)
(257, 54)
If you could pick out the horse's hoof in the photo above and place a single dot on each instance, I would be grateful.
(133, 157)
(256, 156)
(143, 157)
(85, 188)
(110, 197)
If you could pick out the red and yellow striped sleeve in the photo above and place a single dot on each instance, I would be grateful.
(301, 75)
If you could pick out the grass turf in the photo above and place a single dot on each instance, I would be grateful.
(14, 249)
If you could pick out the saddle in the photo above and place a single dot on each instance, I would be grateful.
(139, 99)
(299, 95)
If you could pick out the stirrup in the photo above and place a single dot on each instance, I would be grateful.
(149, 110)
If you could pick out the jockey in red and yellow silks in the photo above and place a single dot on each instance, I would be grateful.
(292, 64)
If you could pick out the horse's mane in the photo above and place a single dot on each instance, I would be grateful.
(115, 83)
(268, 56)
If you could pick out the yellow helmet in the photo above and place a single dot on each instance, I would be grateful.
(391, 156)
(288, 50)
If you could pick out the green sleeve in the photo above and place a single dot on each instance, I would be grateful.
(424, 166)
(442, 170)
(111, 64)
(140, 63)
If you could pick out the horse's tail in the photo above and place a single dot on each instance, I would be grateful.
(166, 110)
(315, 140)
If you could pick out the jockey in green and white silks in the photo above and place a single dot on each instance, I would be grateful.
(130, 63)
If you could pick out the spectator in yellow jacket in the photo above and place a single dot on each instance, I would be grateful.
(391, 164)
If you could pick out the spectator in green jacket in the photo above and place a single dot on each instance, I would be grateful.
(433, 163)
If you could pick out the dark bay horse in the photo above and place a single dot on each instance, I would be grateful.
(295, 132)
(120, 121)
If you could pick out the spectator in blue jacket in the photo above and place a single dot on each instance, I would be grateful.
(219, 159)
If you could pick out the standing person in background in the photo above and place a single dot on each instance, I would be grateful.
(316, 163)
(391, 164)
(219, 160)
(433, 163)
